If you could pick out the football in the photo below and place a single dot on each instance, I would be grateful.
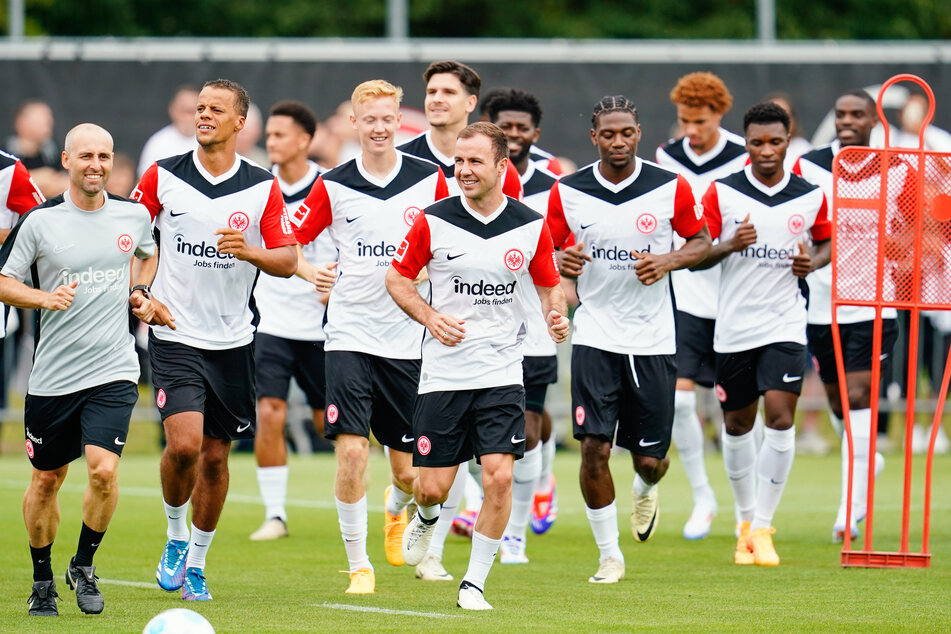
(179, 621)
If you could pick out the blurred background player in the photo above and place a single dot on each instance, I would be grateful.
(798, 145)
(623, 373)
(250, 136)
(178, 136)
(372, 349)
(761, 215)
(289, 343)
(518, 114)
(32, 142)
(706, 152)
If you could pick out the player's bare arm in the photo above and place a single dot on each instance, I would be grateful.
(322, 276)
(805, 262)
(448, 330)
(279, 261)
(745, 236)
(652, 267)
(555, 309)
(14, 293)
(571, 260)
(145, 306)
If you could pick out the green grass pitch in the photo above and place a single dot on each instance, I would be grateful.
(671, 584)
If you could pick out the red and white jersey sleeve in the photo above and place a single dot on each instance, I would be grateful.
(209, 292)
(478, 266)
(18, 192)
(618, 313)
(760, 299)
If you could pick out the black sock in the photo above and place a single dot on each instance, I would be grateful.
(89, 541)
(42, 567)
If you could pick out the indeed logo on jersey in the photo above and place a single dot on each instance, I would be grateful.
(377, 250)
(207, 255)
(485, 293)
(615, 255)
(772, 257)
(97, 280)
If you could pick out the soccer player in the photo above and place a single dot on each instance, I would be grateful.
(220, 220)
(76, 249)
(624, 212)
(541, 158)
(761, 215)
(855, 118)
(479, 249)
(518, 114)
(706, 152)
(372, 354)
(290, 337)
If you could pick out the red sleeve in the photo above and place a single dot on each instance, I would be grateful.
(554, 166)
(414, 252)
(276, 228)
(711, 211)
(557, 224)
(688, 216)
(797, 167)
(24, 194)
(544, 268)
(822, 228)
(512, 183)
(314, 214)
(442, 187)
(908, 197)
(146, 192)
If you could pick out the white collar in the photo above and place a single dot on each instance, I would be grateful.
(616, 187)
(217, 180)
(484, 219)
(379, 182)
(700, 159)
(769, 191)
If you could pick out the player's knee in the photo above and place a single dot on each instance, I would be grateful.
(404, 477)
(595, 454)
(533, 428)
(44, 485)
(351, 456)
(428, 491)
(497, 479)
(103, 479)
(859, 397)
(651, 469)
(780, 420)
(182, 456)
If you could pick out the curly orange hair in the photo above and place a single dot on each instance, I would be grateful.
(697, 90)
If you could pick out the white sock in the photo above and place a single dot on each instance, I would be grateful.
(548, 464)
(640, 486)
(739, 460)
(775, 463)
(480, 559)
(606, 535)
(474, 487)
(272, 482)
(448, 513)
(861, 438)
(524, 477)
(198, 548)
(397, 500)
(844, 489)
(429, 512)
(177, 522)
(353, 529)
(687, 435)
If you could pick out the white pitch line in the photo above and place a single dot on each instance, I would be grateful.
(131, 584)
(366, 608)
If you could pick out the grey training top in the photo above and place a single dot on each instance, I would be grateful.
(57, 243)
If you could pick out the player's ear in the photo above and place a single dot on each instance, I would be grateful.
(594, 137)
(239, 124)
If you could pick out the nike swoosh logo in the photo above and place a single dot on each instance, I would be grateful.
(119, 442)
(771, 481)
(41, 561)
(583, 227)
(61, 249)
(405, 439)
(95, 545)
(197, 545)
(453, 257)
(515, 440)
(790, 379)
(241, 428)
(175, 215)
(642, 536)
(739, 222)
(883, 356)
(648, 444)
(349, 220)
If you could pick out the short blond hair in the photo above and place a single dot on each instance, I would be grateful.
(373, 89)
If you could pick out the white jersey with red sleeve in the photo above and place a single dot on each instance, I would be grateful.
(536, 185)
(477, 266)
(209, 293)
(290, 307)
(641, 213)
(696, 291)
(366, 218)
(761, 301)
(545, 160)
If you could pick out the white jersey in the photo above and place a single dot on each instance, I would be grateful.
(168, 141)
(536, 186)
(209, 293)
(761, 300)
(366, 218)
(290, 307)
(641, 213)
(696, 291)
(545, 160)
(477, 265)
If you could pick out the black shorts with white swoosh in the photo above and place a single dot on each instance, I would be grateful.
(857, 340)
(743, 376)
(58, 427)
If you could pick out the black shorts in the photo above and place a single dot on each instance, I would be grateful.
(743, 376)
(631, 394)
(695, 357)
(857, 342)
(451, 427)
(219, 384)
(277, 359)
(537, 374)
(369, 393)
(58, 427)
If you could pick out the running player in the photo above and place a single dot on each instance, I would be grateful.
(541, 158)
(366, 205)
(518, 114)
(290, 338)
(624, 212)
(854, 120)
(75, 249)
(761, 215)
(479, 249)
(705, 153)
(220, 220)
